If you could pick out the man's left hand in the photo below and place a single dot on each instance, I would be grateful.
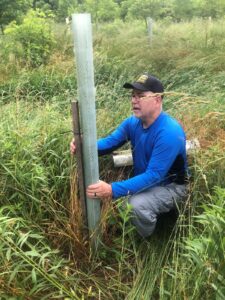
(99, 190)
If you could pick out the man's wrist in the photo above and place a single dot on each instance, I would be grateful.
(111, 190)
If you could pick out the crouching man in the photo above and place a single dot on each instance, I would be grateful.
(159, 154)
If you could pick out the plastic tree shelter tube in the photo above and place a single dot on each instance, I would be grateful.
(82, 33)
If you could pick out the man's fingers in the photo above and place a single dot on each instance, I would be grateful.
(94, 186)
(92, 191)
(93, 194)
(99, 190)
(72, 146)
(90, 195)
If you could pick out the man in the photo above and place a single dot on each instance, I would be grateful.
(159, 154)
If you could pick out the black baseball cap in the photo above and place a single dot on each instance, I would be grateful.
(146, 82)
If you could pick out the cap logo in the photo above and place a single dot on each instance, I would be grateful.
(142, 79)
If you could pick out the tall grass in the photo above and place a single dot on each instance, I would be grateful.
(41, 255)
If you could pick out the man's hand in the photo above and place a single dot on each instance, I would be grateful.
(99, 190)
(73, 146)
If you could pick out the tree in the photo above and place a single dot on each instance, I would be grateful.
(141, 9)
(101, 10)
(184, 10)
(11, 10)
(66, 8)
(208, 8)
(46, 4)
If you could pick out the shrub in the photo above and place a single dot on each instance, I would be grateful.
(33, 40)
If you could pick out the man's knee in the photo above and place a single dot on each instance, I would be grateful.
(141, 210)
(135, 203)
(141, 216)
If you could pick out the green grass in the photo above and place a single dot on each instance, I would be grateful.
(42, 256)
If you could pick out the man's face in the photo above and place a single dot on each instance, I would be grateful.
(144, 104)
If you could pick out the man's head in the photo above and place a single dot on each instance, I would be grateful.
(146, 83)
(147, 94)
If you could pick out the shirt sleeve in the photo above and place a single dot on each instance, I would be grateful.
(166, 149)
(115, 140)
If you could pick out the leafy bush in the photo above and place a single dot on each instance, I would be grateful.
(33, 40)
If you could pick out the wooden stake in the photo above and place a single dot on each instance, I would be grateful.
(150, 29)
(80, 168)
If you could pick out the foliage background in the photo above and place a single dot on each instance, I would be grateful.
(107, 11)
(41, 256)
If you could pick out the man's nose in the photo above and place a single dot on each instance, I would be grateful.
(134, 99)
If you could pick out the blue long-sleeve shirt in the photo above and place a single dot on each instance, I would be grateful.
(159, 153)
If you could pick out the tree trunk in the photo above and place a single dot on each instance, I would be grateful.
(2, 29)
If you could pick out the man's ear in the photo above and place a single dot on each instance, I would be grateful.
(159, 98)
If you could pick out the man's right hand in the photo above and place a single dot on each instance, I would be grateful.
(73, 146)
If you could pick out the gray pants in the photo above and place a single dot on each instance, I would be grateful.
(147, 205)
